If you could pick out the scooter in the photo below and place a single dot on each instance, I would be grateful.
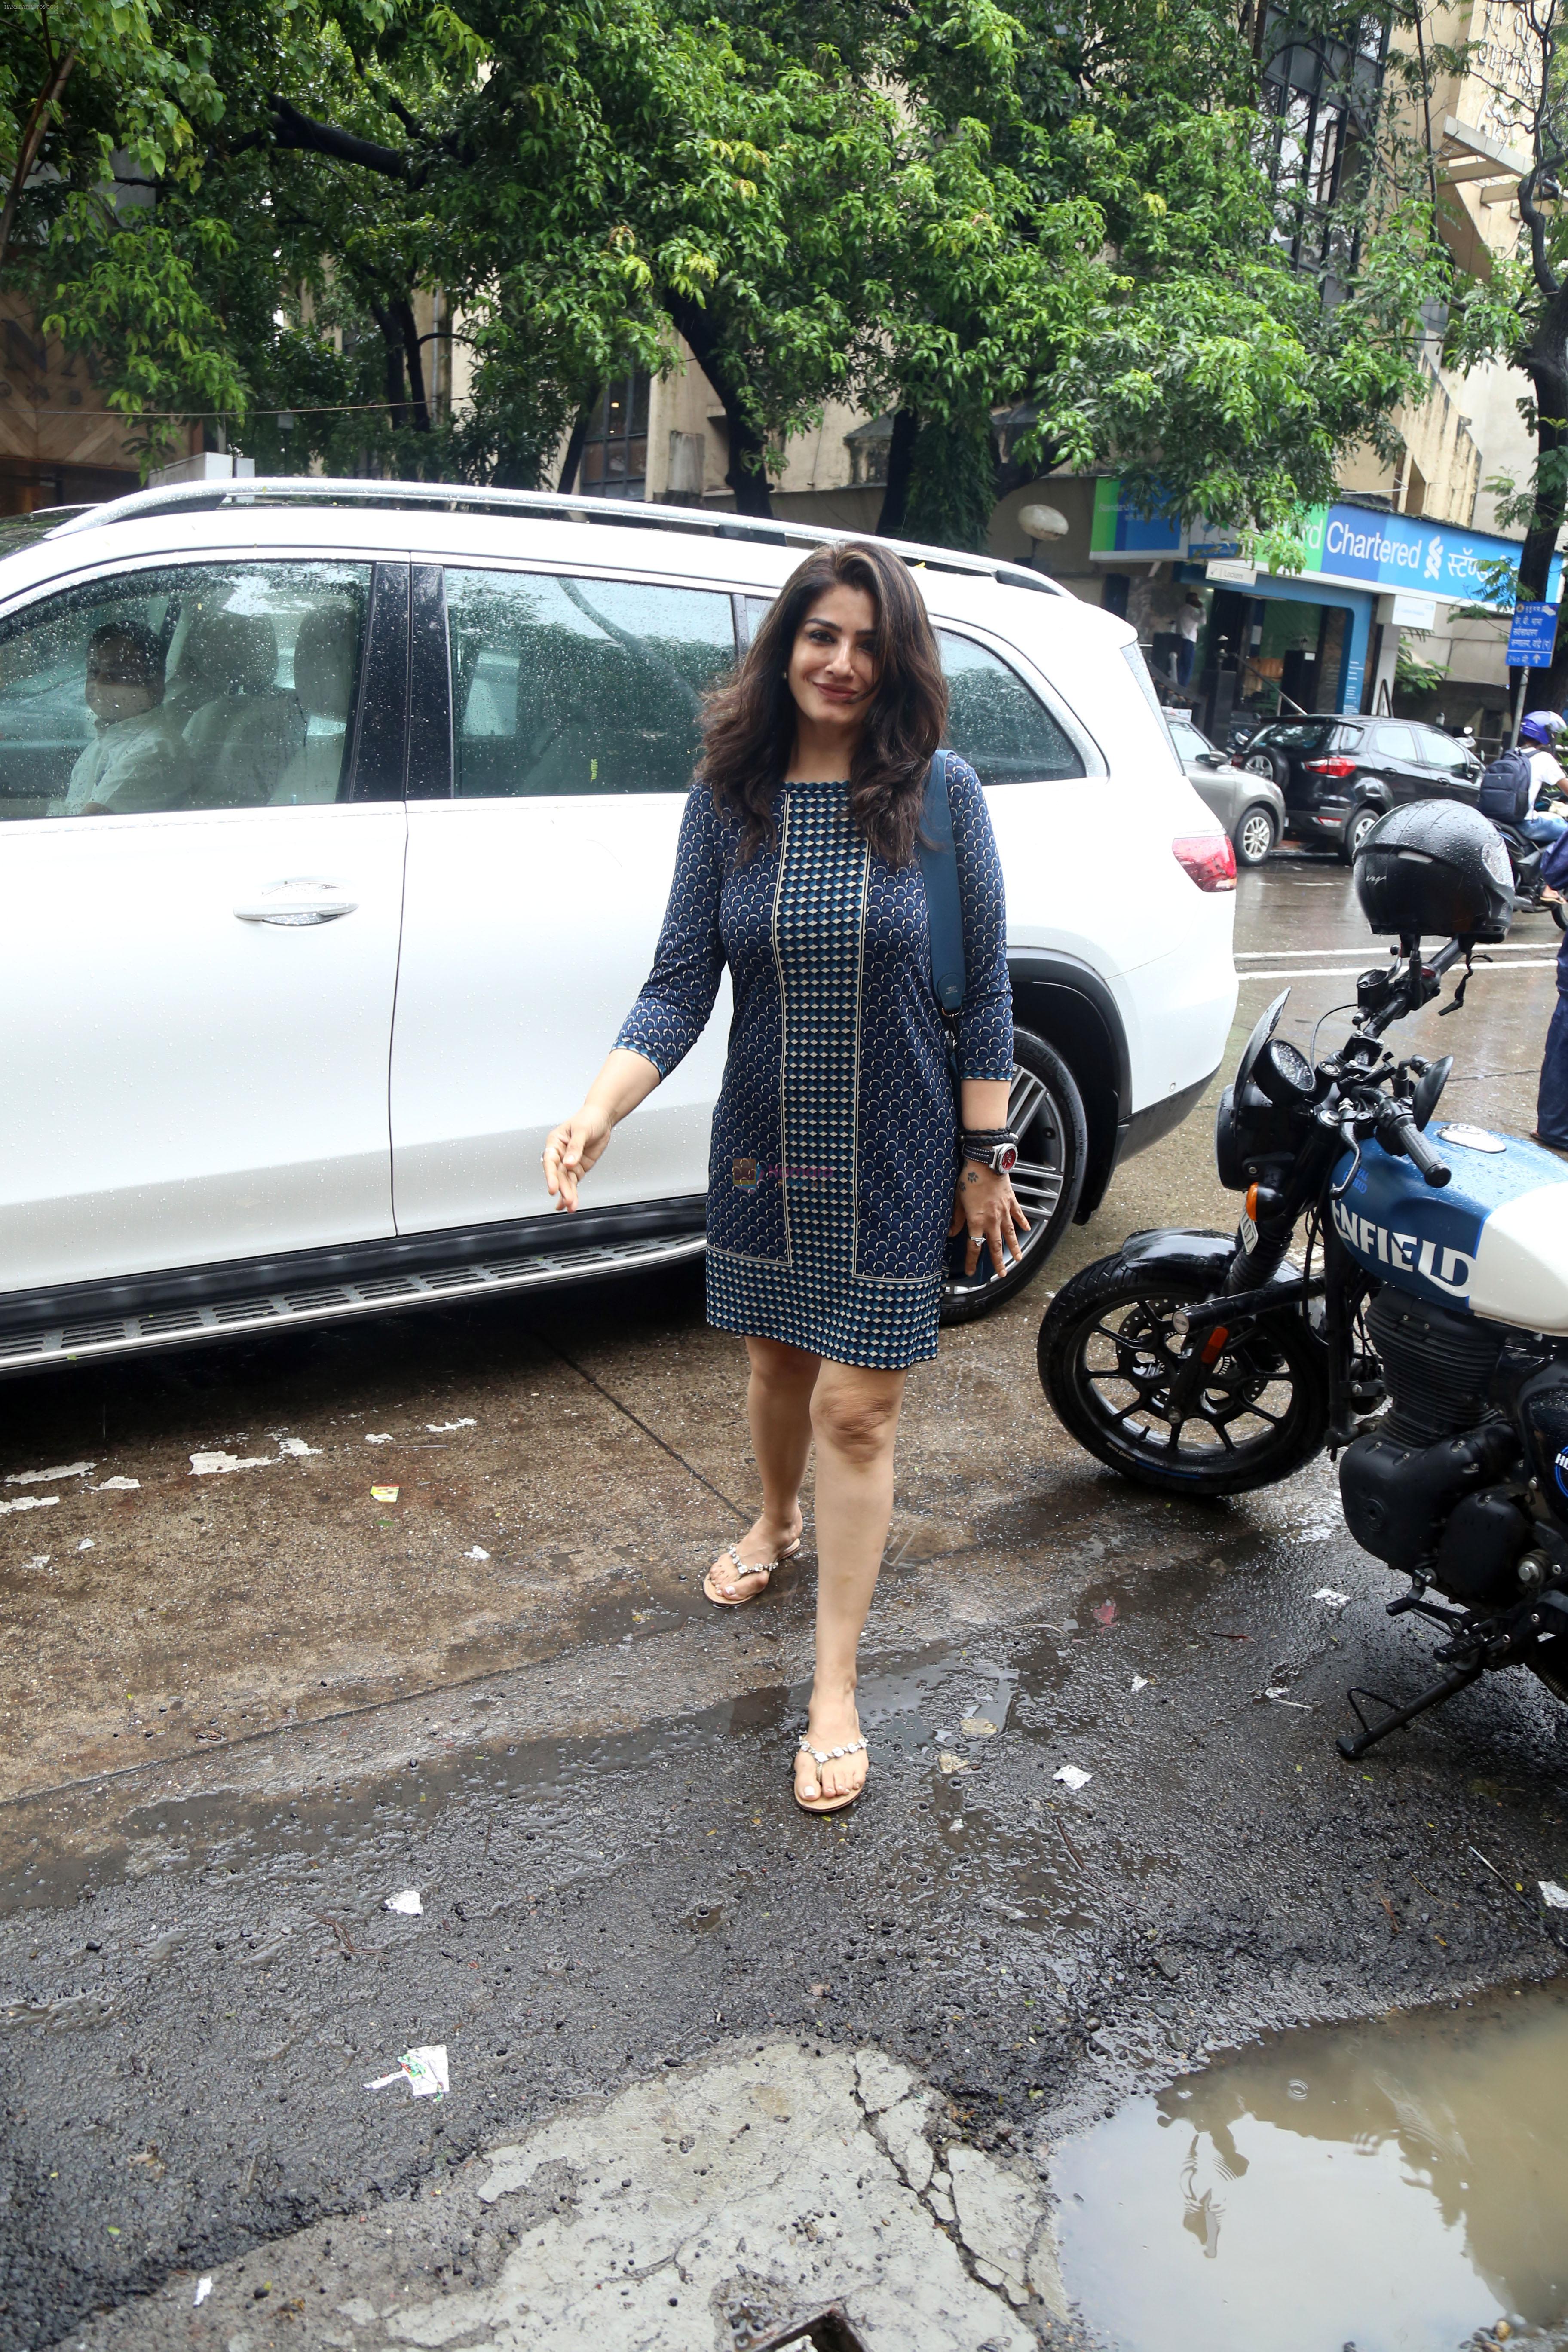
(1422, 1335)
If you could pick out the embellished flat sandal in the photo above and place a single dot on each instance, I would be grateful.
(762, 1568)
(819, 1756)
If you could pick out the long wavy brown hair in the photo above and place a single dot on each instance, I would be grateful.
(749, 723)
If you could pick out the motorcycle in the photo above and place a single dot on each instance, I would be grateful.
(1524, 856)
(1422, 1337)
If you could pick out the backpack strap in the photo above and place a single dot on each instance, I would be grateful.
(938, 868)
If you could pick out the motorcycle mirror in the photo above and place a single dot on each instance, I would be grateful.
(1429, 1089)
(1267, 1023)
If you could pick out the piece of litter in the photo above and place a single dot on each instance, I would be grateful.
(1555, 1897)
(407, 1903)
(440, 1428)
(87, 1544)
(1275, 1690)
(1106, 1613)
(117, 1486)
(978, 1726)
(47, 1477)
(204, 2288)
(31, 1503)
(40, 1560)
(1330, 1598)
(297, 1447)
(1281, 1698)
(1139, 1682)
(951, 1763)
(478, 1552)
(384, 1494)
(424, 2071)
(212, 1465)
(1073, 1776)
(382, 1437)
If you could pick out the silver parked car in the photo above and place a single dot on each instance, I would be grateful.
(1250, 807)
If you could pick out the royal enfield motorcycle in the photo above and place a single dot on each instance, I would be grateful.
(1421, 1331)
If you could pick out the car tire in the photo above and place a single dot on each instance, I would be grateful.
(1256, 834)
(1046, 1111)
(1266, 762)
(1358, 825)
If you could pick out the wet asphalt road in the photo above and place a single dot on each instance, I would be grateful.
(241, 1709)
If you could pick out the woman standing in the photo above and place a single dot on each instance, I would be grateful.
(835, 1173)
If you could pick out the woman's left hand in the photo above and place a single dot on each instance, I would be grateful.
(985, 1206)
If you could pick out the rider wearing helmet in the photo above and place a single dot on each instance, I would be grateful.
(1539, 731)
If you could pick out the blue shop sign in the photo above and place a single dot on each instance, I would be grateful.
(1357, 545)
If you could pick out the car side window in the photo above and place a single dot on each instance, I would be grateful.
(1441, 751)
(1397, 743)
(207, 687)
(570, 685)
(996, 723)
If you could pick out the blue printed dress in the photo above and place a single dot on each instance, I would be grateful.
(834, 1139)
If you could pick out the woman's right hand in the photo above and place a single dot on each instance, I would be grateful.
(571, 1150)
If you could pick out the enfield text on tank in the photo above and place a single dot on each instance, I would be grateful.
(1423, 1336)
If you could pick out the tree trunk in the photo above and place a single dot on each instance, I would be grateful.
(402, 311)
(901, 459)
(747, 471)
(1546, 363)
(575, 446)
(392, 339)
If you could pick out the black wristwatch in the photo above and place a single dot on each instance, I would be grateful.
(992, 1146)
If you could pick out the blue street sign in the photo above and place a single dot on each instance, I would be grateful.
(1531, 639)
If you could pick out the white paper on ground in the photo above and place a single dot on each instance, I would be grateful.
(31, 1503)
(378, 1437)
(408, 1903)
(424, 2071)
(440, 1428)
(45, 1478)
(211, 1466)
(297, 1447)
(204, 2288)
(1555, 1897)
(1073, 1775)
(1139, 1682)
(117, 1486)
(478, 1552)
(1330, 1598)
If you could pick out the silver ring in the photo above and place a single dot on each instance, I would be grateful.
(977, 1237)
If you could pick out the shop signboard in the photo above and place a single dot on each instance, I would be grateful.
(1358, 547)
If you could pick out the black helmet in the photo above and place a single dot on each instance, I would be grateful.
(1435, 868)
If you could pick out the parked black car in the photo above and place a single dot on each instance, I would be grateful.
(1340, 774)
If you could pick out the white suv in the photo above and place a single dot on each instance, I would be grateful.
(381, 806)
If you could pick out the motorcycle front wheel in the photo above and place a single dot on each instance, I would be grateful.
(1110, 1355)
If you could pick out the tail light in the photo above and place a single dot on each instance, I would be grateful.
(1338, 766)
(1207, 858)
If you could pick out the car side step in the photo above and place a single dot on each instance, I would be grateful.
(327, 1302)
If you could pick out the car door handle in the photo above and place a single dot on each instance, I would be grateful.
(295, 904)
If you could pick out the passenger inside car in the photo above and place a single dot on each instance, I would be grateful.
(240, 730)
(137, 760)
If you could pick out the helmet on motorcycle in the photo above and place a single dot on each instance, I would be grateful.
(1436, 868)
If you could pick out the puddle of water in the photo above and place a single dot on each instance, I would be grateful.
(1391, 2187)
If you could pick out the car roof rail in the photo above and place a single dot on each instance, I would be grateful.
(322, 489)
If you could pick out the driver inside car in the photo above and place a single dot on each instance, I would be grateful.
(137, 760)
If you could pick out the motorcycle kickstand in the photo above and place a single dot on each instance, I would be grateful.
(1354, 1748)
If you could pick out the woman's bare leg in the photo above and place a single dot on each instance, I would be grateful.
(854, 1421)
(778, 1405)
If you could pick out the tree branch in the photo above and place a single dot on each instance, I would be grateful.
(293, 129)
(33, 133)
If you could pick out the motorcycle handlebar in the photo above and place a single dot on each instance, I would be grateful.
(1435, 1170)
